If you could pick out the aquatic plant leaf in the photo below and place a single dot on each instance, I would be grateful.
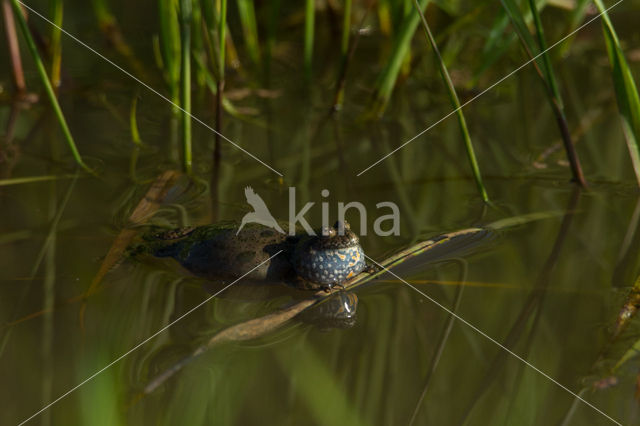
(170, 44)
(631, 353)
(246, 10)
(145, 208)
(455, 102)
(402, 41)
(625, 89)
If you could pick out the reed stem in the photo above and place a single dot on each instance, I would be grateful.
(556, 100)
(247, 14)
(456, 104)
(14, 48)
(309, 24)
(42, 72)
(547, 76)
(185, 15)
(56, 46)
(344, 55)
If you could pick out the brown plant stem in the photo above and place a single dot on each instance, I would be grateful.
(14, 48)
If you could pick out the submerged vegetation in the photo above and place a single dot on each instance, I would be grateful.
(170, 107)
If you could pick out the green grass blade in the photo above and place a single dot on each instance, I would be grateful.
(170, 45)
(556, 99)
(625, 88)
(455, 102)
(402, 41)
(197, 45)
(111, 30)
(309, 24)
(346, 28)
(629, 354)
(32, 179)
(56, 46)
(546, 62)
(499, 41)
(185, 15)
(247, 14)
(344, 54)
(133, 121)
(577, 17)
(542, 65)
(13, 47)
(42, 73)
(272, 25)
(222, 37)
(519, 24)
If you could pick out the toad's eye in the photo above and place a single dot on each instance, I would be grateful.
(328, 231)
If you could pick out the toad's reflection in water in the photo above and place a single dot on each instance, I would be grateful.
(339, 311)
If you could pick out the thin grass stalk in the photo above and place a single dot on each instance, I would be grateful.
(133, 121)
(344, 55)
(56, 46)
(384, 17)
(185, 15)
(40, 257)
(272, 25)
(548, 79)
(556, 99)
(247, 13)
(170, 47)
(217, 148)
(625, 89)
(456, 104)
(32, 179)
(546, 62)
(271, 31)
(48, 303)
(14, 48)
(197, 47)
(577, 16)
(109, 27)
(400, 49)
(309, 24)
(170, 54)
(44, 78)
(442, 340)
(346, 28)
(222, 36)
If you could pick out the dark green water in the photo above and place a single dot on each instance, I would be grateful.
(549, 289)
